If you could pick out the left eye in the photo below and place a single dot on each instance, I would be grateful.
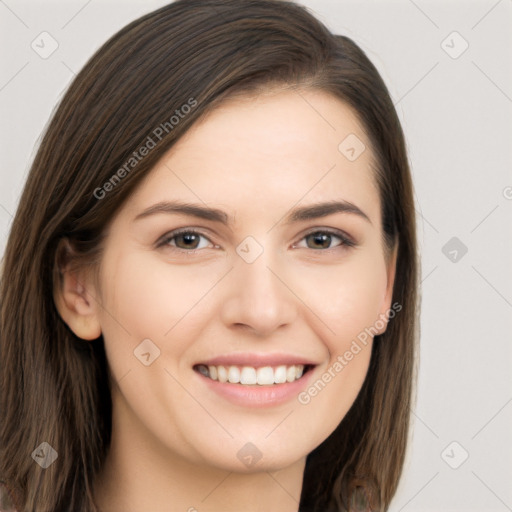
(322, 240)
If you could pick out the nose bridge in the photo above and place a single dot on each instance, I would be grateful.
(257, 297)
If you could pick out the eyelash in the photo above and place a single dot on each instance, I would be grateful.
(345, 241)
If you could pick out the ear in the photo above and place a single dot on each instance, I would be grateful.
(74, 295)
(388, 294)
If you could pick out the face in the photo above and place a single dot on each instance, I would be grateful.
(263, 262)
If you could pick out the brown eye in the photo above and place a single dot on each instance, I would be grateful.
(319, 240)
(325, 240)
(186, 240)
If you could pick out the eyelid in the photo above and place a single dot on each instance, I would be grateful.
(164, 240)
(346, 240)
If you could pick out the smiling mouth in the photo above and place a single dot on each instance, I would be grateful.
(252, 376)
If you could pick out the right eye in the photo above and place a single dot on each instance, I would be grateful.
(185, 239)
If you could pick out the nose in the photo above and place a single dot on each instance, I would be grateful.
(259, 298)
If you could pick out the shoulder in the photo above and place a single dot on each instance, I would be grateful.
(6, 501)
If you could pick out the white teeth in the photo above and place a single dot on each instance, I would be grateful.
(213, 372)
(222, 374)
(265, 376)
(234, 374)
(280, 375)
(248, 375)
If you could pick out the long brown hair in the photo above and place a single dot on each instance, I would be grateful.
(54, 386)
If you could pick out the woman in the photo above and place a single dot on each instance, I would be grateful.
(209, 292)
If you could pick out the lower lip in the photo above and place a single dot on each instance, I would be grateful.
(258, 396)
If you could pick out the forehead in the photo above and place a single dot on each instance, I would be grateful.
(267, 152)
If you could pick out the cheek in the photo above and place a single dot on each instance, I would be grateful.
(152, 299)
(347, 298)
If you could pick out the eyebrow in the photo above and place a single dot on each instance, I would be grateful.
(304, 213)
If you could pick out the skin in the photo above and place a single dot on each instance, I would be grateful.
(175, 442)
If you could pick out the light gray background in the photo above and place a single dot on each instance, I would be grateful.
(457, 116)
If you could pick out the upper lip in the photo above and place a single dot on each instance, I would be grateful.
(257, 360)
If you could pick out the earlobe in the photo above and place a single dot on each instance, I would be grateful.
(76, 305)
